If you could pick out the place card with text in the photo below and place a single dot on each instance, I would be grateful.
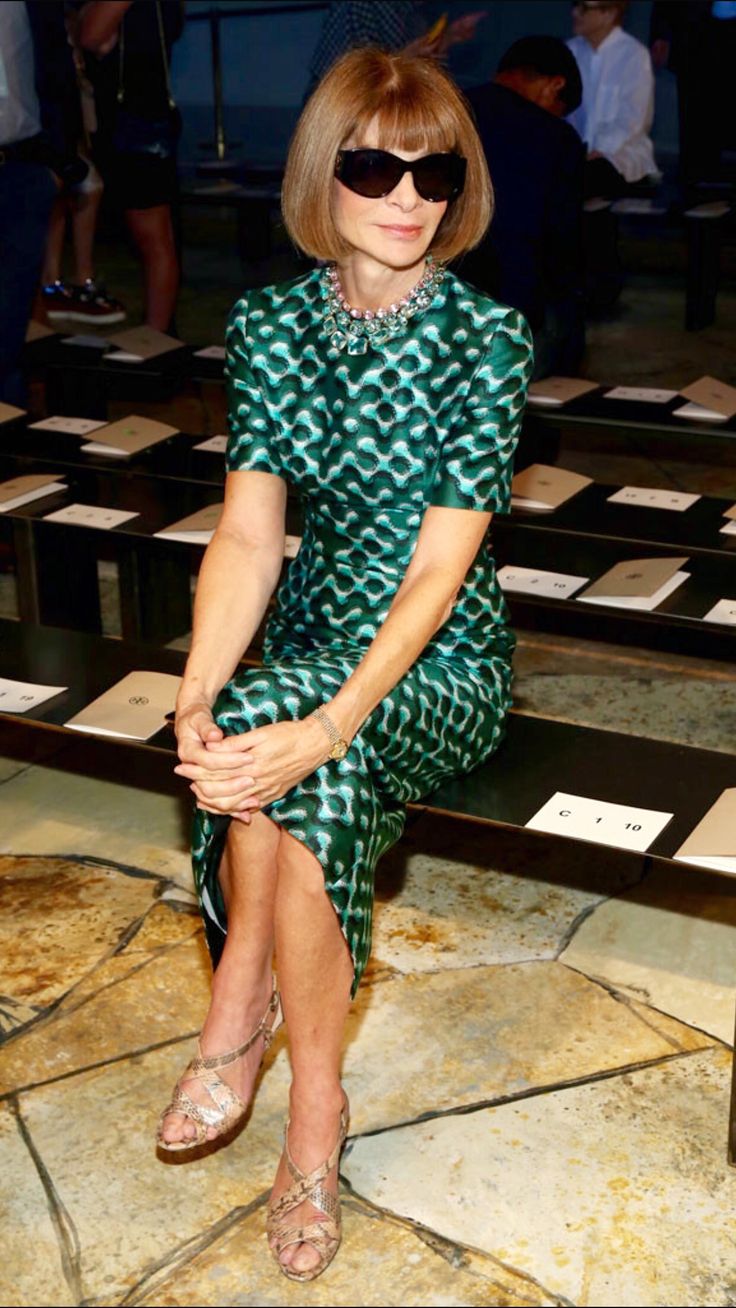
(133, 709)
(637, 583)
(196, 529)
(21, 696)
(71, 426)
(696, 413)
(724, 612)
(211, 352)
(143, 343)
(712, 394)
(534, 581)
(649, 497)
(90, 515)
(129, 436)
(622, 825)
(215, 445)
(641, 394)
(712, 843)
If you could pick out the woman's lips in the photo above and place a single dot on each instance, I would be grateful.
(404, 233)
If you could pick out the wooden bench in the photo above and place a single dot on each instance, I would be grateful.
(631, 419)
(537, 758)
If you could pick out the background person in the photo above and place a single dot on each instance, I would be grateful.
(617, 109)
(138, 132)
(387, 662)
(532, 256)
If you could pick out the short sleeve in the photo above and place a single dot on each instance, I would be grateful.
(251, 446)
(476, 459)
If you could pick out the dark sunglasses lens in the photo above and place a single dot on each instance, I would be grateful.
(372, 173)
(439, 176)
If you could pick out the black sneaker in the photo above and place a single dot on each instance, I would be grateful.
(91, 303)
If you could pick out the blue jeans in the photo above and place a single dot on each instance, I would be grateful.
(27, 191)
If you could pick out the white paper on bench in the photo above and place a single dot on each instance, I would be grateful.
(620, 825)
(74, 426)
(215, 445)
(651, 498)
(696, 413)
(133, 709)
(124, 356)
(86, 342)
(533, 581)
(210, 352)
(292, 545)
(728, 530)
(642, 394)
(39, 493)
(645, 602)
(96, 447)
(20, 696)
(724, 611)
(90, 515)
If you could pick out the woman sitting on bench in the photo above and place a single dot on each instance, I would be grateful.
(390, 394)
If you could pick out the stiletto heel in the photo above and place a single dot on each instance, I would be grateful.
(323, 1236)
(227, 1109)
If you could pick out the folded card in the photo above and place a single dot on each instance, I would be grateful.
(637, 583)
(730, 512)
(132, 709)
(36, 331)
(144, 342)
(729, 529)
(215, 445)
(24, 490)
(9, 413)
(543, 487)
(712, 394)
(211, 352)
(129, 436)
(696, 413)
(712, 843)
(86, 342)
(196, 529)
(558, 390)
(724, 612)
(534, 581)
(91, 515)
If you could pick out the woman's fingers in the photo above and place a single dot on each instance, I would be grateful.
(193, 772)
(219, 789)
(238, 803)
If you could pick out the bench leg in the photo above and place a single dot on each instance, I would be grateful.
(159, 602)
(57, 578)
(78, 392)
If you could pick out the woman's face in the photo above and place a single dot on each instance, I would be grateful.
(395, 230)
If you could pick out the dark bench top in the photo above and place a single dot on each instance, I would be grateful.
(538, 757)
(630, 417)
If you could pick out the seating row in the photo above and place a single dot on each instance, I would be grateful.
(538, 759)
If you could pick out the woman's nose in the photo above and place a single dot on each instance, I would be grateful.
(405, 194)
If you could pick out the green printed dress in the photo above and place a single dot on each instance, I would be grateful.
(369, 441)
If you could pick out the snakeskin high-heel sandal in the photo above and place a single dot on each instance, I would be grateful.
(227, 1109)
(323, 1235)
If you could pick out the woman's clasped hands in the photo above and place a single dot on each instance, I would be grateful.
(237, 775)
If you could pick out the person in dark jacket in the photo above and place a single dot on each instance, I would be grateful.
(38, 135)
(532, 257)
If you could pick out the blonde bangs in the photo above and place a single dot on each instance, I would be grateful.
(413, 105)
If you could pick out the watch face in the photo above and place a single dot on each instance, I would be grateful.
(339, 749)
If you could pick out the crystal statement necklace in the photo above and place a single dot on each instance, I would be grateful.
(355, 329)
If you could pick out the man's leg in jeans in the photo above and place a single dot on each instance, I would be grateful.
(26, 194)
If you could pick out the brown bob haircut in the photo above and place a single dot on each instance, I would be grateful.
(416, 106)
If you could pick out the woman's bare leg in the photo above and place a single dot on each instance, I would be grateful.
(84, 227)
(153, 233)
(241, 985)
(51, 270)
(315, 977)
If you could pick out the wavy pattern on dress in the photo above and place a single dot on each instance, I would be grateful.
(370, 442)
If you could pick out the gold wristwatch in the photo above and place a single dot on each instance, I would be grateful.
(339, 746)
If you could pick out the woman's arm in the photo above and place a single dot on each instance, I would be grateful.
(99, 23)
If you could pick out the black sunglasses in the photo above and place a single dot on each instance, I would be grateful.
(375, 173)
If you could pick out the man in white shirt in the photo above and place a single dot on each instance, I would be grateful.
(617, 108)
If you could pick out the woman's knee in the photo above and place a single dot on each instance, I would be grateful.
(299, 868)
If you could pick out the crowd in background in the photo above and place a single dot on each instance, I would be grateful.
(86, 104)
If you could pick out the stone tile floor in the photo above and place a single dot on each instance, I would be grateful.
(538, 1060)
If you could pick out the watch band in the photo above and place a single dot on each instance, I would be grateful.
(339, 745)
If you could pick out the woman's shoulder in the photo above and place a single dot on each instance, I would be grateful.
(279, 300)
(483, 313)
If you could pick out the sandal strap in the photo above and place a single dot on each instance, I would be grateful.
(308, 1185)
(211, 1062)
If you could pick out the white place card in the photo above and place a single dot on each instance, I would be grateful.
(534, 581)
(696, 413)
(728, 530)
(90, 515)
(9, 413)
(20, 696)
(724, 612)
(621, 825)
(86, 342)
(211, 352)
(124, 356)
(648, 497)
(107, 451)
(292, 545)
(215, 445)
(73, 426)
(641, 394)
